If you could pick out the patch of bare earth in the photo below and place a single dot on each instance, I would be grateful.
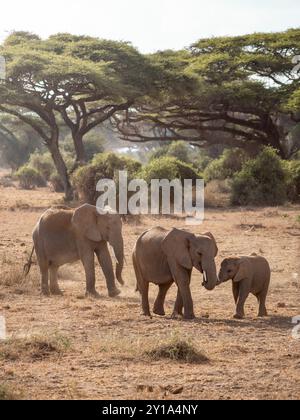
(109, 341)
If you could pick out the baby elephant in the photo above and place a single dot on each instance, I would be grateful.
(249, 275)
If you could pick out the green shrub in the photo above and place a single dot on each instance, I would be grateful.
(159, 152)
(103, 166)
(43, 163)
(202, 161)
(293, 171)
(29, 178)
(168, 168)
(226, 166)
(177, 149)
(262, 181)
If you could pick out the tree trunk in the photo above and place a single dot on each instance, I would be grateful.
(61, 168)
(273, 133)
(79, 148)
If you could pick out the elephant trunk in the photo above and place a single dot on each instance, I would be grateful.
(210, 275)
(118, 247)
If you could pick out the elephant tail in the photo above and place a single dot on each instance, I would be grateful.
(28, 265)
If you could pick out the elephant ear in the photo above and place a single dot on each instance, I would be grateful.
(176, 245)
(85, 222)
(243, 271)
(211, 236)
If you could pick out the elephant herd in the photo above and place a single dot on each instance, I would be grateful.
(64, 235)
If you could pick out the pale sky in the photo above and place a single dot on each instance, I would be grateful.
(149, 24)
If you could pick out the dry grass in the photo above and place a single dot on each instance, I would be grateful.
(248, 359)
(33, 348)
(13, 276)
(217, 194)
(6, 394)
(178, 350)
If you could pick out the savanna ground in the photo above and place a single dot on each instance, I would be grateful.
(72, 348)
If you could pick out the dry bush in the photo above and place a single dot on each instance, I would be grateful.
(13, 276)
(33, 348)
(178, 350)
(217, 194)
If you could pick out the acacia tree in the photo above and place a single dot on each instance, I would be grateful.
(28, 94)
(82, 80)
(126, 76)
(231, 90)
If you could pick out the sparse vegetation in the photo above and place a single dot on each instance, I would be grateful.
(179, 351)
(33, 348)
(43, 164)
(262, 181)
(29, 178)
(217, 193)
(103, 166)
(226, 166)
(168, 168)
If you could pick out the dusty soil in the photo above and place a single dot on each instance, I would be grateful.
(108, 339)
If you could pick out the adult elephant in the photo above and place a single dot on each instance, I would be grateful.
(163, 257)
(64, 235)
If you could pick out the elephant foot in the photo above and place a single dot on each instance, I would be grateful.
(189, 317)
(239, 316)
(176, 315)
(114, 293)
(93, 294)
(159, 311)
(146, 315)
(56, 292)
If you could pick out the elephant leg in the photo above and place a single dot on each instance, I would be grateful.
(243, 295)
(54, 287)
(158, 308)
(235, 291)
(44, 267)
(88, 261)
(183, 278)
(105, 262)
(142, 287)
(45, 281)
(145, 300)
(178, 307)
(261, 297)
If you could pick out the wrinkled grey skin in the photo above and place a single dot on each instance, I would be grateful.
(163, 257)
(64, 236)
(249, 275)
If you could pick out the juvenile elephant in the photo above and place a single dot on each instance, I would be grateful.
(249, 275)
(163, 257)
(65, 235)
